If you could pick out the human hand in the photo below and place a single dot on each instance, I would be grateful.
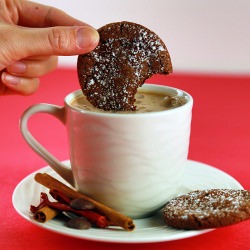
(31, 37)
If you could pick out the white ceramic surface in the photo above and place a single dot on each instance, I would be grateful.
(131, 162)
(151, 229)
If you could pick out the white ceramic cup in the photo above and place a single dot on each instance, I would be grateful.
(133, 163)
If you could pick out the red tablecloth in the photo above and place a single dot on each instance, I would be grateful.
(220, 137)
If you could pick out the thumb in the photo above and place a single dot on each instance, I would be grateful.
(58, 40)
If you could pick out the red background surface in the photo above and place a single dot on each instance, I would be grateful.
(220, 137)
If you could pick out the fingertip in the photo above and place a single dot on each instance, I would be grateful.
(17, 67)
(10, 80)
(20, 85)
(87, 38)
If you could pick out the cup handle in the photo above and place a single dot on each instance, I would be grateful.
(54, 163)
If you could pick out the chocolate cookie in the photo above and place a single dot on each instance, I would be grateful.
(208, 209)
(126, 56)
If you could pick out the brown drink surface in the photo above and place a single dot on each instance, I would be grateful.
(145, 102)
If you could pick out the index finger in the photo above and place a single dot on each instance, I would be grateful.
(39, 16)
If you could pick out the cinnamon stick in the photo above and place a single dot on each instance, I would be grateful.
(112, 215)
(45, 214)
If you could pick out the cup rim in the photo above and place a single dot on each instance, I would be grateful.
(145, 86)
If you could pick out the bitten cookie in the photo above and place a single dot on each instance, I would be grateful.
(208, 209)
(126, 56)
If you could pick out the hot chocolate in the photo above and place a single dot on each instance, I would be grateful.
(145, 102)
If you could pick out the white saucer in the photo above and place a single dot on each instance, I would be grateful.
(152, 229)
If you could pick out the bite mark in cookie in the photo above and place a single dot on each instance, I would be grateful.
(126, 56)
(212, 208)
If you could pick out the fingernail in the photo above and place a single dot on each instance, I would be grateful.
(10, 79)
(17, 67)
(87, 37)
